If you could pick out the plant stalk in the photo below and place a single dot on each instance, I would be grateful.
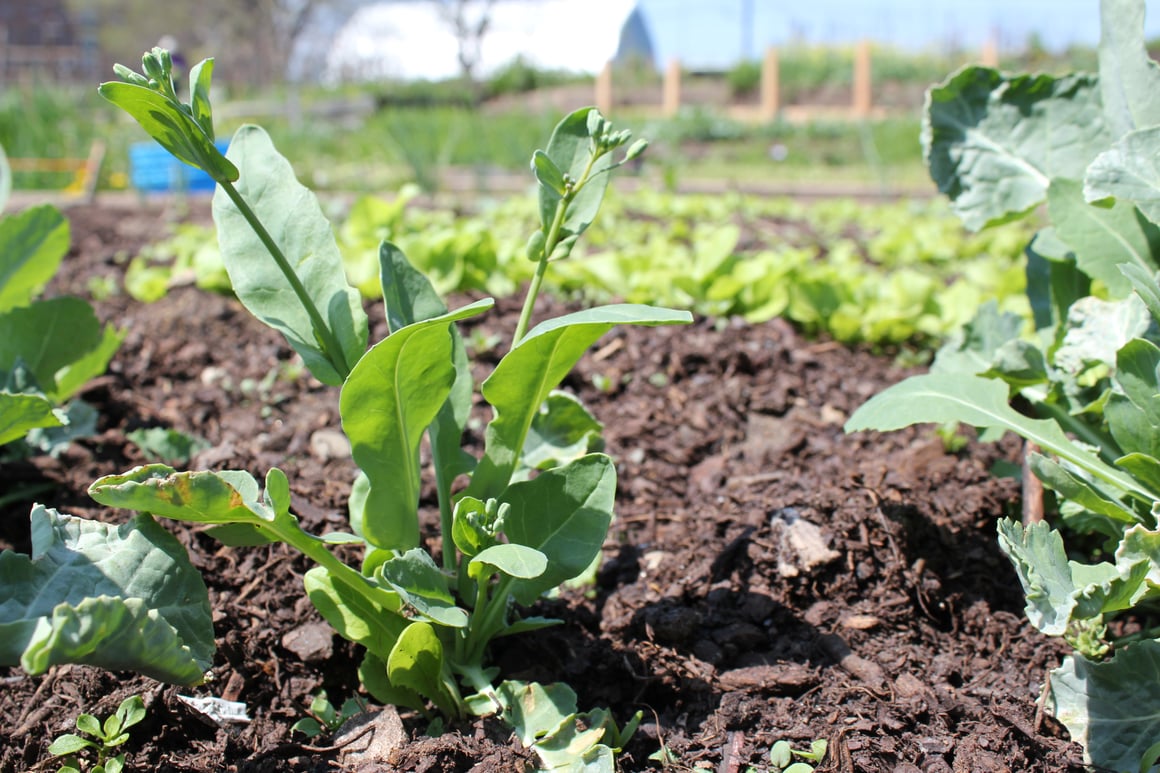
(325, 335)
(550, 243)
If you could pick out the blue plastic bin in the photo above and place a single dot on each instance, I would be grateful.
(153, 170)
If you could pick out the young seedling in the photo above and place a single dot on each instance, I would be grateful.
(537, 504)
(99, 739)
(781, 756)
(324, 717)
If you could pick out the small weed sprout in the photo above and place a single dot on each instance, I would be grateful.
(324, 718)
(102, 739)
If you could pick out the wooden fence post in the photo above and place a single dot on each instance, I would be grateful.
(770, 85)
(604, 89)
(671, 102)
(989, 56)
(863, 100)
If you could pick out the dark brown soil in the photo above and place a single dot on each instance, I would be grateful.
(900, 639)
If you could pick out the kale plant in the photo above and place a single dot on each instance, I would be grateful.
(1084, 388)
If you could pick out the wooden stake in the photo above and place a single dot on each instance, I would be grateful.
(863, 100)
(770, 85)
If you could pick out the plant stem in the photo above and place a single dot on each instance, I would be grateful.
(541, 267)
(330, 345)
(552, 239)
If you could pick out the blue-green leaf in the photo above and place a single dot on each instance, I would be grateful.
(531, 370)
(1146, 286)
(294, 219)
(122, 598)
(564, 513)
(50, 336)
(562, 431)
(173, 129)
(199, 497)
(513, 560)
(420, 583)
(941, 398)
(1111, 708)
(391, 397)
(1102, 238)
(1133, 410)
(1129, 79)
(376, 626)
(416, 663)
(993, 143)
(20, 413)
(32, 244)
(1129, 171)
(409, 297)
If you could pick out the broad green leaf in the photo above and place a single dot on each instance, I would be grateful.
(940, 398)
(292, 216)
(1097, 329)
(390, 398)
(122, 598)
(200, 78)
(376, 626)
(372, 673)
(421, 584)
(173, 129)
(69, 743)
(576, 749)
(1086, 492)
(409, 298)
(569, 151)
(1128, 171)
(1146, 286)
(166, 444)
(564, 513)
(547, 173)
(1102, 238)
(469, 529)
(534, 710)
(1042, 566)
(1133, 410)
(20, 413)
(1129, 79)
(90, 364)
(531, 370)
(972, 350)
(1053, 282)
(416, 663)
(1020, 363)
(48, 336)
(993, 143)
(32, 245)
(561, 431)
(1111, 708)
(199, 497)
(79, 421)
(1143, 468)
(513, 560)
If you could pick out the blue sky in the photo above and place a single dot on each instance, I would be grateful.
(695, 30)
(410, 40)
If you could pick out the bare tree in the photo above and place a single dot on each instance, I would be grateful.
(469, 21)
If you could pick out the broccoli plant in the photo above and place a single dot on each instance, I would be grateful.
(524, 522)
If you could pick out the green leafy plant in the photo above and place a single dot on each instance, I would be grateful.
(1082, 388)
(782, 753)
(49, 348)
(425, 618)
(99, 739)
(324, 717)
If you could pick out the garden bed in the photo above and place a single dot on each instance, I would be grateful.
(769, 577)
